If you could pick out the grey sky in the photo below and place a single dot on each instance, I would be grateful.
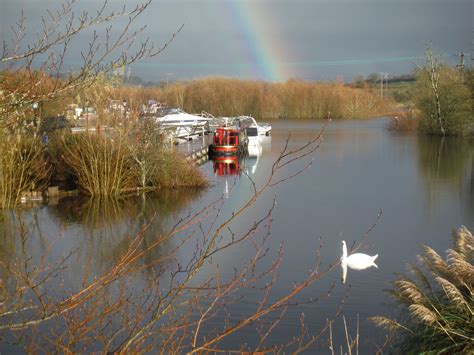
(316, 39)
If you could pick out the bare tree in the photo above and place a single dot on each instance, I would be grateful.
(433, 69)
(34, 74)
(177, 309)
(108, 49)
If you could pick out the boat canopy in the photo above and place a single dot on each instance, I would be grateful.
(225, 136)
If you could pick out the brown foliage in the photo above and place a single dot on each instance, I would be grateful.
(292, 99)
(23, 167)
(437, 299)
(404, 121)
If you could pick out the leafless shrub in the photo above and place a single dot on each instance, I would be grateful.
(34, 78)
(106, 51)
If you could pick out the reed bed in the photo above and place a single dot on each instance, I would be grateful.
(437, 301)
(294, 99)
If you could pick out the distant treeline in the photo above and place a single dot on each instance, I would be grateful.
(293, 99)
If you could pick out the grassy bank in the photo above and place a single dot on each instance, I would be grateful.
(112, 164)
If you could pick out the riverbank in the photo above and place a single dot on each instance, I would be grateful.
(293, 99)
(131, 158)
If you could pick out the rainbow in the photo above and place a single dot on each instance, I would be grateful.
(262, 46)
(265, 50)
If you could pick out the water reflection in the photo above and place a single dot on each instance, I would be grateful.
(98, 231)
(8, 230)
(251, 162)
(446, 161)
(360, 168)
(223, 166)
(97, 213)
(228, 166)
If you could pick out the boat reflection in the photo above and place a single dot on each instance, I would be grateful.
(234, 165)
(251, 162)
(223, 166)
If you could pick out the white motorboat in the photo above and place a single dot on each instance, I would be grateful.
(180, 124)
(177, 117)
(253, 135)
(263, 128)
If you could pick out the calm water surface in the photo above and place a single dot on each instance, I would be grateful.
(424, 186)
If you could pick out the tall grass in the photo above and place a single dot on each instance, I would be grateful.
(116, 165)
(173, 171)
(101, 165)
(263, 100)
(437, 301)
(23, 167)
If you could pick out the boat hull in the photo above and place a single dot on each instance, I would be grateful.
(226, 150)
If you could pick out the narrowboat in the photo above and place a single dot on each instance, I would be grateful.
(228, 141)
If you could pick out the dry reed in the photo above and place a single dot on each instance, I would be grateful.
(294, 99)
(22, 167)
(101, 165)
(438, 303)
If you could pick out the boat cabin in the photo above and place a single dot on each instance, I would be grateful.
(228, 141)
(224, 136)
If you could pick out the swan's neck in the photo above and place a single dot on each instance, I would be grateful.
(344, 251)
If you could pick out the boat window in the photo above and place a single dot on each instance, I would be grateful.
(252, 131)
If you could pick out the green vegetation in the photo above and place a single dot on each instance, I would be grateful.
(445, 110)
(437, 301)
(440, 102)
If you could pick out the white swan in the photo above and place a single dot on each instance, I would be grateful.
(357, 261)
(344, 271)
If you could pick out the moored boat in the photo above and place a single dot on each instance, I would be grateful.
(264, 129)
(228, 141)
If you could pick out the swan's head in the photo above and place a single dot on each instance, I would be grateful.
(343, 243)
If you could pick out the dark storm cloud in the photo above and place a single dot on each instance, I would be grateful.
(322, 38)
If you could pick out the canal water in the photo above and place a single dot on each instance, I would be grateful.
(415, 189)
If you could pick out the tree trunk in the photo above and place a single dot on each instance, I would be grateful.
(434, 78)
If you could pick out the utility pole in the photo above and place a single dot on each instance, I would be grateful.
(381, 84)
(461, 66)
(168, 78)
(382, 77)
